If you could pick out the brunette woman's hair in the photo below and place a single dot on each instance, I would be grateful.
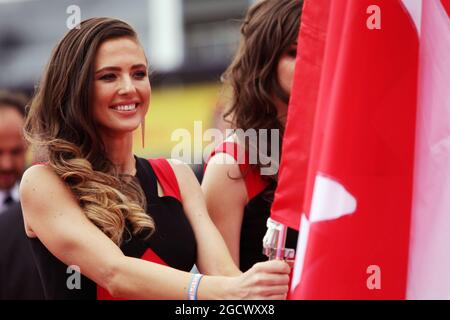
(268, 31)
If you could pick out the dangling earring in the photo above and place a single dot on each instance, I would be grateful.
(143, 133)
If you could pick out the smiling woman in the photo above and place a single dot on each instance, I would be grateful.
(132, 227)
(121, 86)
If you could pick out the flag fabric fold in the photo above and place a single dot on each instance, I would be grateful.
(299, 127)
(365, 165)
(429, 261)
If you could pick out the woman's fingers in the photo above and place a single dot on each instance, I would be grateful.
(290, 263)
(266, 280)
(274, 290)
(276, 297)
(270, 279)
(272, 266)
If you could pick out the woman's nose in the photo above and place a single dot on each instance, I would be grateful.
(126, 86)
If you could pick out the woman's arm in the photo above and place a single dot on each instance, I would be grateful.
(266, 280)
(213, 255)
(225, 199)
(54, 216)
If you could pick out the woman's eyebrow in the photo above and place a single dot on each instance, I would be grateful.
(112, 68)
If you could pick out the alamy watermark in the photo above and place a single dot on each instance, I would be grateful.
(74, 279)
(374, 280)
(261, 146)
(74, 19)
(374, 20)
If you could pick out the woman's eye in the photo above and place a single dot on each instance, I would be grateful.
(108, 77)
(292, 52)
(140, 74)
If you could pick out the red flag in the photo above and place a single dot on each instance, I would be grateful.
(354, 235)
(288, 201)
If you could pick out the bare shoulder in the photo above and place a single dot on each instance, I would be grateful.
(41, 190)
(184, 174)
(224, 168)
(222, 164)
(40, 181)
(191, 193)
(223, 179)
(223, 160)
(178, 164)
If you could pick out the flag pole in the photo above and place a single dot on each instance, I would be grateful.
(274, 242)
(281, 243)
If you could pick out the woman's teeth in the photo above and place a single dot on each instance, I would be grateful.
(125, 107)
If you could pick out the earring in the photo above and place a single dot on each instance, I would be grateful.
(143, 133)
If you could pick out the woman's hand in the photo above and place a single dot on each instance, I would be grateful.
(264, 281)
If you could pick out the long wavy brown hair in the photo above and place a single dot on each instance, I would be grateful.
(269, 29)
(60, 124)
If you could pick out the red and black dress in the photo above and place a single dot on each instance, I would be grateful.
(172, 244)
(256, 211)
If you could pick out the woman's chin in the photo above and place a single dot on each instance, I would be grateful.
(120, 129)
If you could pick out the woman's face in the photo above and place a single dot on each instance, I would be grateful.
(286, 66)
(121, 91)
(285, 74)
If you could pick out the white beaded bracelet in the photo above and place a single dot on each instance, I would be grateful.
(193, 286)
